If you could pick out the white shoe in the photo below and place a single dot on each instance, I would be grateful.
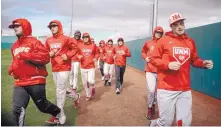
(62, 119)
(117, 91)
(102, 78)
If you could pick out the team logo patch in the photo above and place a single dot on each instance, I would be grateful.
(109, 52)
(181, 54)
(120, 52)
(20, 49)
(55, 47)
(151, 48)
(87, 52)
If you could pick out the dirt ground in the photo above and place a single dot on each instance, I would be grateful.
(129, 108)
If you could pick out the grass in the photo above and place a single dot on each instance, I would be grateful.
(33, 116)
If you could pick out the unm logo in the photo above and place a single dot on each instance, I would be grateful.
(87, 52)
(21, 49)
(120, 52)
(55, 47)
(109, 52)
(181, 54)
(151, 48)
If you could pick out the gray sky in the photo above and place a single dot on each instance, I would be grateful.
(109, 18)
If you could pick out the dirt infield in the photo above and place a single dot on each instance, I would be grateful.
(129, 108)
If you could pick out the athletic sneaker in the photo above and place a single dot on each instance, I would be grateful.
(77, 101)
(88, 98)
(149, 114)
(102, 78)
(53, 120)
(62, 119)
(93, 92)
(117, 91)
(109, 83)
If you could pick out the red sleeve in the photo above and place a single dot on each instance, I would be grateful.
(156, 57)
(144, 51)
(73, 48)
(195, 60)
(97, 54)
(128, 54)
(47, 46)
(10, 70)
(39, 55)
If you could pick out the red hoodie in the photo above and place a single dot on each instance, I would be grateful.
(148, 49)
(172, 48)
(109, 54)
(88, 53)
(61, 44)
(74, 58)
(120, 58)
(101, 50)
(29, 58)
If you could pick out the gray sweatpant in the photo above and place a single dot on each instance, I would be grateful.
(119, 75)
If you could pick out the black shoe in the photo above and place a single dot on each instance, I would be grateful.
(153, 109)
(105, 83)
(109, 83)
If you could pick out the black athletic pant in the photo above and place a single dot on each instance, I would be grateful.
(119, 75)
(101, 64)
(21, 96)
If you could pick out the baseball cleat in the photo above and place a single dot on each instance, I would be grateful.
(117, 91)
(77, 101)
(53, 120)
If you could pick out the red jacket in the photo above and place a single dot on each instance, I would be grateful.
(29, 58)
(120, 59)
(101, 50)
(172, 48)
(109, 54)
(61, 44)
(148, 49)
(88, 53)
(74, 58)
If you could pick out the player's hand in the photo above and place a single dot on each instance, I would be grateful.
(101, 51)
(12, 74)
(51, 53)
(64, 57)
(208, 64)
(174, 66)
(94, 60)
(147, 59)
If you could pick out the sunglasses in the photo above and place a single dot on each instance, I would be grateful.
(16, 26)
(52, 26)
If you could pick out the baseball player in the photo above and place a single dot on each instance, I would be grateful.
(101, 58)
(173, 55)
(62, 49)
(75, 64)
(151, 71)
(109, 62)
(88, 55)
(122, 52)
(29, 71)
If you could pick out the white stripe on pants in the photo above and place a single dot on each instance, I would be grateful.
(171, 102)
(108, 71)
(151, 87)
(74, 75)
(60, 80)
(88, 80)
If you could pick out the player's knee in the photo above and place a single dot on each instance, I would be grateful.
(75, 75)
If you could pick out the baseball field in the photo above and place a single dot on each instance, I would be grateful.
(106, 108)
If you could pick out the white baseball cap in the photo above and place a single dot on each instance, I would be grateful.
(175, 17)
